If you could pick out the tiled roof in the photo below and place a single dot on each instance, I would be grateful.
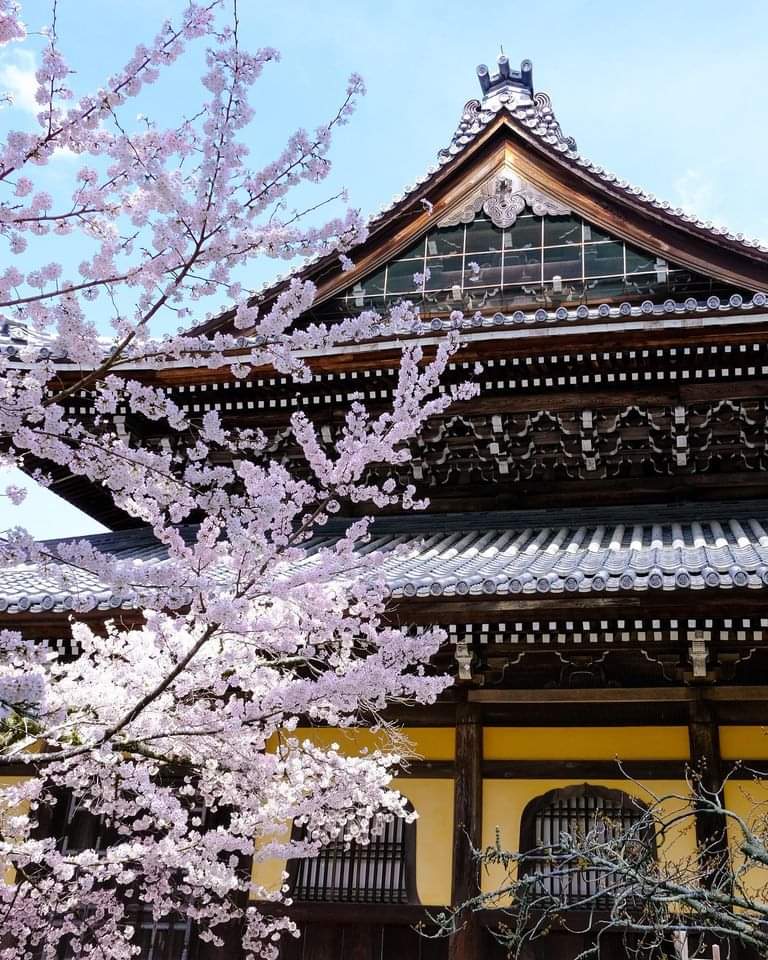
(585, 558)
(532, 553)
(38, 588)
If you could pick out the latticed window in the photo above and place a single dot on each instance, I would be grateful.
(381, 871)
(549, 259)
(171, 938)
(578, 811)
(78, 829)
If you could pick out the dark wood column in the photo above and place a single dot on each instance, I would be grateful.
(467, 826)
(706, 764)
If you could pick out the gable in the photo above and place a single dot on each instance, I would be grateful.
(512, 134)
(508, 246)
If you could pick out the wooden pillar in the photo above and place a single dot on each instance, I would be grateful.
(704, 739)
(467, 827)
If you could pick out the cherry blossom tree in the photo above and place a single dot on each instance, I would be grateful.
(175, 732)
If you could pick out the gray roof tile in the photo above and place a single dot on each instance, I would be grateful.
(533, 553)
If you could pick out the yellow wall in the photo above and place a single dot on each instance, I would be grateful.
(268, 874)
(425, 743)
(433, 801)
(505, 800)
(748, 800)
(744, 743)
(585, 743)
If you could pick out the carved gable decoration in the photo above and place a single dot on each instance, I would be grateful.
(503, 198)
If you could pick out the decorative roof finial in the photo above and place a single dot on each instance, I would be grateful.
(506, 78)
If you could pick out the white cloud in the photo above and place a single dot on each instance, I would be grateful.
(696, 192)
(64, 153)
(17, 80)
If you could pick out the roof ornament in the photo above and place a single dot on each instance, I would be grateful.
(506, 79)
(511, 91)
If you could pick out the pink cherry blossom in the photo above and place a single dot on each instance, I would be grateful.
(251, 624)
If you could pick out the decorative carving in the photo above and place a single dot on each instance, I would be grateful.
(471, 111)
(503, 198)
(698, 654)
(464, 658)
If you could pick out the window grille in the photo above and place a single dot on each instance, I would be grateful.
(577, 811)
(171, 938)
(381, 871)
(79, 829)
(536, 260)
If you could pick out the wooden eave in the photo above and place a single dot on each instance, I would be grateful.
(470, 609)
(551, 339)
(484, 609)
(504, 142)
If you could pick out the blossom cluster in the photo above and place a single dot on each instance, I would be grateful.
(176, 726)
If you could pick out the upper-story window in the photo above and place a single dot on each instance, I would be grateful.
(538, 260)
(578, 811)
(380, 871)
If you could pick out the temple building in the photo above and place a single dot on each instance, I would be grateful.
(596, 544)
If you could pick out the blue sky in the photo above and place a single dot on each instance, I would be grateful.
(671, 96)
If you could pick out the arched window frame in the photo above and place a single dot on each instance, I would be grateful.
(613, 798)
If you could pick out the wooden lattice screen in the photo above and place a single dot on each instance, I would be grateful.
(167, 939)
(576, 811)
(380, 871)
(77, 829)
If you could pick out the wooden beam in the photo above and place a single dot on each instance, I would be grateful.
(621, 695)
(428, 770)
(707, 770)
(482, 608)
(655, 395)
(467, 827)
(581, 769)
(340, 914)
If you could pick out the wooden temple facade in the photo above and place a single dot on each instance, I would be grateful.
(597, 540)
